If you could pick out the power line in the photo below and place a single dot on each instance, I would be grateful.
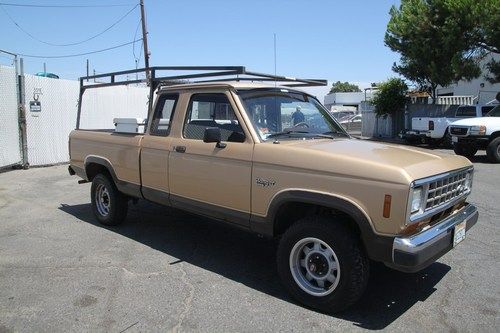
(64, 6)
(76, 55)
(69, 44)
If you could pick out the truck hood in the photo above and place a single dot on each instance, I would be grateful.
(491, 121)
(370, 160)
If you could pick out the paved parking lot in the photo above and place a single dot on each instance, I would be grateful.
(167, 270)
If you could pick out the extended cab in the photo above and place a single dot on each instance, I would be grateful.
(470, 135)
(436, 129)
(270, 159)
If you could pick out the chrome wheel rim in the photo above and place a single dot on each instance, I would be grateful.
(314, 266)
(102, 200)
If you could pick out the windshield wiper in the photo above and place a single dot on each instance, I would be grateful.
(273, 135)
(330, 133)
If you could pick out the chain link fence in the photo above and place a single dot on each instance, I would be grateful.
(51, 109)
(10, 147)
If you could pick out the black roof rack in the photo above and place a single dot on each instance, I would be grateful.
(156, 77)
(229, 73)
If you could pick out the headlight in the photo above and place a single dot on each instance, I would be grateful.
(468, 180)
(416, 199)
(478, 130)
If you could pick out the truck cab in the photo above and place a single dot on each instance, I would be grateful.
(470, 135)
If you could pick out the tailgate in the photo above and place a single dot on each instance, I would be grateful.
(420, 124)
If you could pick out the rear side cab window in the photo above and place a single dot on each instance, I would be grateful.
(486, 109)
(212, 110)
(162, 118)
(466, 112)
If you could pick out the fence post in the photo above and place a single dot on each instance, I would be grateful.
(22, 113)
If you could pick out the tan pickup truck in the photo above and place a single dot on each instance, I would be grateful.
(271, 159)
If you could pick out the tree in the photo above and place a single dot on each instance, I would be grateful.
(435, 42)
(390, 97)
(344, 87)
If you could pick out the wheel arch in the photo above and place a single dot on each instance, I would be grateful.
(378, 247)
(98, 164)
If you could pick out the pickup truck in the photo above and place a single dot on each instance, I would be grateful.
(470, 135)
(270, 159)
(435, 130)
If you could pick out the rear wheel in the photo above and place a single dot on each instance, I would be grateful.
(322, 265)
(493, 150)
(109, 205)
(466, 150)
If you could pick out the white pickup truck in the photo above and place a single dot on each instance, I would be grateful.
(435, 129)
(470, 135)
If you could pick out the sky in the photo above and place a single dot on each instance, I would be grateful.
(329, 39)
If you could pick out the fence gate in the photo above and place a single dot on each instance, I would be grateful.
(10, 140)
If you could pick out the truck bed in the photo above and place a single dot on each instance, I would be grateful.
(122, 150)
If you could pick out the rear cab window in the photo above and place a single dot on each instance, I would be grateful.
(162, 118)
(466, 112)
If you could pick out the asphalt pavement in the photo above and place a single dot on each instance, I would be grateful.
(168, 270)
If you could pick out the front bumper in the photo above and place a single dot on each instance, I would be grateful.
(413, 253)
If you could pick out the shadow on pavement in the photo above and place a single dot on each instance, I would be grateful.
(247, 259)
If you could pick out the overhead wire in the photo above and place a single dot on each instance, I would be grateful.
(68, 44)
(64, 6)
(78, 54)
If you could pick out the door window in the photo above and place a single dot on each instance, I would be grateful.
(212, 110)
(163, 114)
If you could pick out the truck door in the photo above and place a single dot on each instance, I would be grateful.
(207, 179)
(155, 150)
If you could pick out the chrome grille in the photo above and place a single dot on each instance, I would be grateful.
(446, 189)
(458, 130)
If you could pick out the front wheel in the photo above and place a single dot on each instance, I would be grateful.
(108, 204)
(467, 150)
(493, 150)
(322, 265)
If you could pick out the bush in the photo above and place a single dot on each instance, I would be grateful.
(390, 97)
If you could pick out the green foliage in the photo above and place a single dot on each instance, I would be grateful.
(442, 41)
(391, 97)
(344, 87)
(494, 69)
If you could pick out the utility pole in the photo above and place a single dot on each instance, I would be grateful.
(87, 70)
(144, 37)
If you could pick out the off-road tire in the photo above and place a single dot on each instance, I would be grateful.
(493, 150)
(352, 261)
(465, 150)
(117, 201)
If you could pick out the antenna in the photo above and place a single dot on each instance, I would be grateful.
(275, 59)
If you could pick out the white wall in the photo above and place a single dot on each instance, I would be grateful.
(10, 150)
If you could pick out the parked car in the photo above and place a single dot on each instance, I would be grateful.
(352, 123)
(226, 150)
(339, 115)
(436, 129)
(470, 135)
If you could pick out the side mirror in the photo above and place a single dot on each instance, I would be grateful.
(212, 134)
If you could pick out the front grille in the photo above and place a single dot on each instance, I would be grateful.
(458, 130)
(446, 189)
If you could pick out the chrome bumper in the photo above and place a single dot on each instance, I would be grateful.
(416, 252)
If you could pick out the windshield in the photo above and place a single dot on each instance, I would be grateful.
(495, 112)
(279, 112)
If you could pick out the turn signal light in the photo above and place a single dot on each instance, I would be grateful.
(387, 206)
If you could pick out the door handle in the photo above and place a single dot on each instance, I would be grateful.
(180, 149)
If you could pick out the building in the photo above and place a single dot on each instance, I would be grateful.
(479, 89)
(347, 101)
